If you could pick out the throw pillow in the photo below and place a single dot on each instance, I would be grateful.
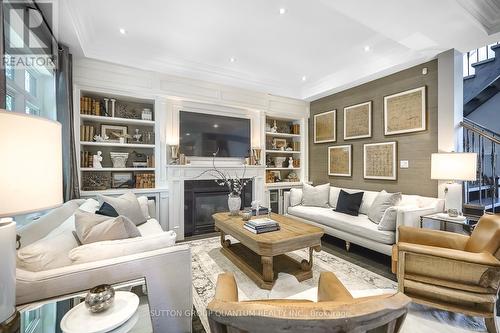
(143, 202)
(388, 221)
(383, 201)
(334, 196)
(316, 196)
(47, 253)
(107, 210)
(91, 228)
(349, 203)
(126, 205)
(119, 248)
(295, 197)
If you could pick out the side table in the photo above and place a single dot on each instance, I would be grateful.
(468, 224)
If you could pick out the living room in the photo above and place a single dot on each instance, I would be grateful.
(261, 166)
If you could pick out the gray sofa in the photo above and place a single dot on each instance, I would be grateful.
(359, 229)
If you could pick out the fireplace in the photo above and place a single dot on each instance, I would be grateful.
(202, 198)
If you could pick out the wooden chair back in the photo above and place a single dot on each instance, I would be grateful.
(384, 313)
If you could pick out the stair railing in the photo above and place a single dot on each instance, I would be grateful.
(481, 140)
(477, 55)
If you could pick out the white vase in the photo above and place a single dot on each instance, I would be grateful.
(234, 204)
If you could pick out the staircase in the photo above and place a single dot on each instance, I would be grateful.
(481, 76)
(484, 142)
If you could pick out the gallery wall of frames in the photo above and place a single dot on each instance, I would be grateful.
(379, 135)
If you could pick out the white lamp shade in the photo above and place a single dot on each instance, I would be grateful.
(454, 166)
(31, 167)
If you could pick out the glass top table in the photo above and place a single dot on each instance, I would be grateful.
(45, 316)
(466, 225)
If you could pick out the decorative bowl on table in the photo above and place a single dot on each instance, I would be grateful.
(100, 298)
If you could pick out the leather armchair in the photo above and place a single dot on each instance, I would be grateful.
(451, 271)
(335, 311)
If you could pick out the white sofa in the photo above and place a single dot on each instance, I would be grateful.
(359, 229)
(167, 272)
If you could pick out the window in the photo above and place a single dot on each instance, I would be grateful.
(31, 109)
(9, 102)
(30, 83)
(31, 87)
(9, 70)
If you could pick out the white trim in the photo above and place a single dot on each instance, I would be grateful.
(422, 125)
(334, 127)
(394, 160)
(350, 161)
(369, 135)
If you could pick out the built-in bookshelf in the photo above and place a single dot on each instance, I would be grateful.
(283, 151)
(123, 130)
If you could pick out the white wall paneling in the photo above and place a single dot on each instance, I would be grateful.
(173, 94)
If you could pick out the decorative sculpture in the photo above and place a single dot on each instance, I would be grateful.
(96, 160)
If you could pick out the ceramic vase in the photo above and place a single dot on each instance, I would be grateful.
(234, 204)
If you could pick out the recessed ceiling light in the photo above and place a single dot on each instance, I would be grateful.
(232, 59)
(283, 11)
(367, 48)
(123, 31)
(304, 78)
(216, 125)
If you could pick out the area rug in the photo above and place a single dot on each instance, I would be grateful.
(209, 262)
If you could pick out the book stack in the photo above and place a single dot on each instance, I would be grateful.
(87, 158)
(90, 106)
(87, 133)
(262, 211)
(259, 226)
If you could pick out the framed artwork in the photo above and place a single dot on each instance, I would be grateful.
(358, 121)
(279, 144)
(122, 180)
(380, 160)
(325, 125)
(113, 132)
(405, 112)
(276, 176)
(340, 161)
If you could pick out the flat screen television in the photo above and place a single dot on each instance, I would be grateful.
(203, 134)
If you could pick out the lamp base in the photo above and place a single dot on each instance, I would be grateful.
(11, 325)
(453, 197)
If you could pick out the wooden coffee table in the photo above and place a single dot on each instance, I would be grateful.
(262, 256)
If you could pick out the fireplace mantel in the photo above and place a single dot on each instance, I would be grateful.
(177, 174)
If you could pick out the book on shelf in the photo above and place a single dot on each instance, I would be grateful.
(87, 133)
(90, 106)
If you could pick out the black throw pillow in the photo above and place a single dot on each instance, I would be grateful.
(107, 210)
(349, 203)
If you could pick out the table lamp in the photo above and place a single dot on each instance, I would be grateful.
(30, 181)
(454, 167)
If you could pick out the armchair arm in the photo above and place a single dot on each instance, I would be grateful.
(331, 289)
(226, 289)
(439, 239)
(482, 258)
(411, 217)
(286, 202)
